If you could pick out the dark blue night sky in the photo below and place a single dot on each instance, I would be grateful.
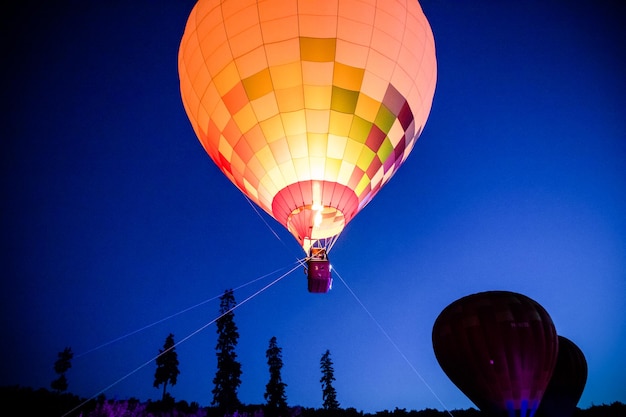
(113, 217)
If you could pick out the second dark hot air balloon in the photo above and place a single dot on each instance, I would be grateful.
(567, 383)
(499, 348)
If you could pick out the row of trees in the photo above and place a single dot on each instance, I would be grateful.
(228, 374)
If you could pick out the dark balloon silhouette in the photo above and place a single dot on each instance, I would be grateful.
(499, 348)
(567, 383)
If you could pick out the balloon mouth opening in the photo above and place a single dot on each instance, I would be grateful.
(315, 211)
(315, 222)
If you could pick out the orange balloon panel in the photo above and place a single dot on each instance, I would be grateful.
(308, 107)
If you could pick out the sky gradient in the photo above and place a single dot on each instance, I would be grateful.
(114, 218)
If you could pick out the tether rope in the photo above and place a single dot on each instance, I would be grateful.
(181, 341)
(396, 347)
(329, 245)
(110, 342)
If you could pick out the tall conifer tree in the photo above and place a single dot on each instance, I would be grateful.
(167, 366)
(329, 395)
(228, 375)
(275, 388)
(62, 364)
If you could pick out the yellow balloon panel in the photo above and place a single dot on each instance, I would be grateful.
(308, 107)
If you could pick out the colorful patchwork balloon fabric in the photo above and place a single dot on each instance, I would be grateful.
(308, 107)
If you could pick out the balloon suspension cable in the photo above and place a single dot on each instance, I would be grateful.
(203, 327)
(256, 210)
(261, 217)
(396, 347)
(333, 240)
(326, 243)
(171, 316)
(330, 242)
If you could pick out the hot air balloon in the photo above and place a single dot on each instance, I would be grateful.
(567, 383)
(308, 107)
(499, 348)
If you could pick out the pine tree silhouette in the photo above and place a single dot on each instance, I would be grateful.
(167, 366)
(275, 388)
(228, 375)
(329, 395)
(62, 364)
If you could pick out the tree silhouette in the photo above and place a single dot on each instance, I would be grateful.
(275, 388)
(228, 375)
(329, 395)
(167, 366)
(62, 364)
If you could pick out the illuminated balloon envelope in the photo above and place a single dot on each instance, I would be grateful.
(308, 107)
(567, 383)
(499, 348)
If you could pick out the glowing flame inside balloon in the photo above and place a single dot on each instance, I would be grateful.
(317, 221)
